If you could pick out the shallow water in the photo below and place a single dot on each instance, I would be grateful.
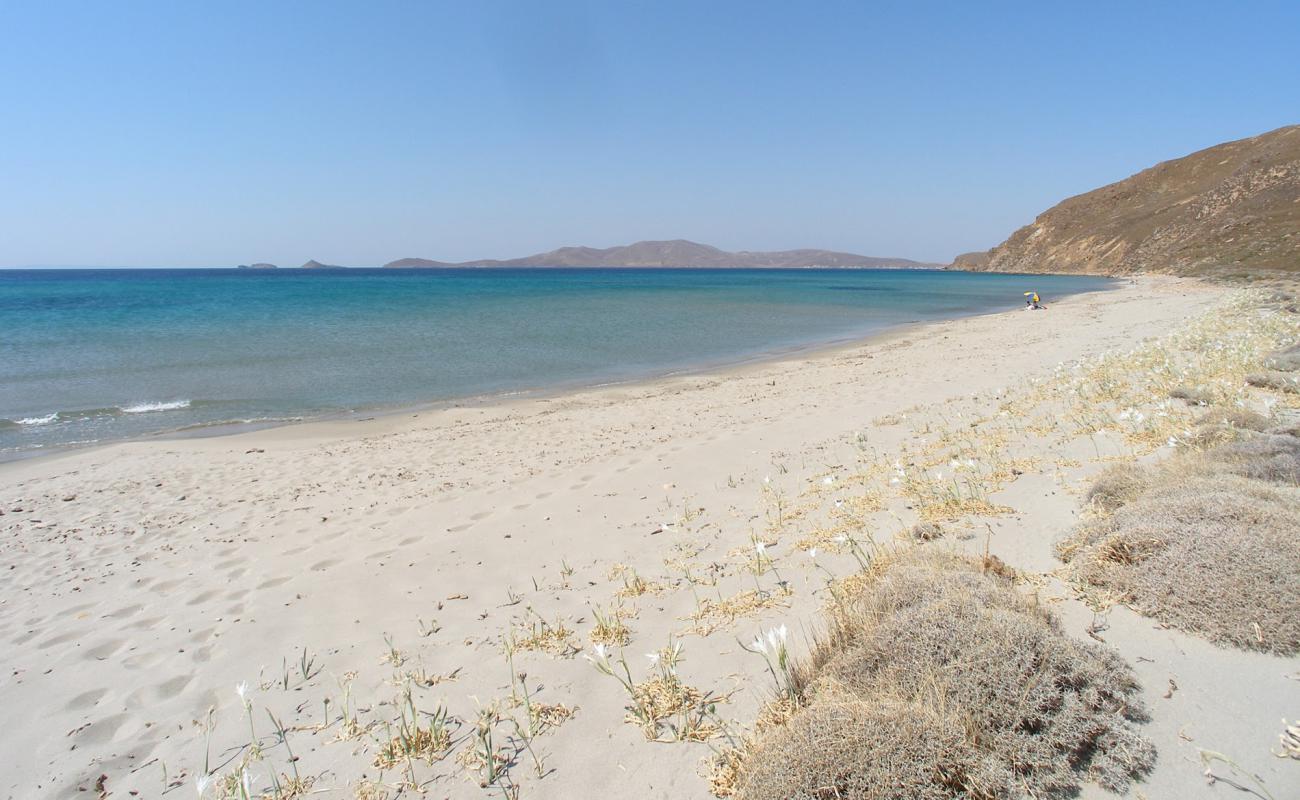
(94, 355)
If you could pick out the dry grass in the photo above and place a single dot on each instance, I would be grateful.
(1210, 553)
(716, 614)
(546, 716)
(1117, 485)
(555, 638)
(610, 629)
(665, 706)
(938, 679)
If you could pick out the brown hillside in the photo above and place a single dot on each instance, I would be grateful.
(1231, 208)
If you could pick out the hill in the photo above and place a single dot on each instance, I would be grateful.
(314, 264)
(675, 253)
(1230, 208)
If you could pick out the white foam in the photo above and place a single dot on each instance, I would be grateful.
(144, 408)
(45, 420)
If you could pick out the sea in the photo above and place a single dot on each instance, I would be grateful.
(96, 355)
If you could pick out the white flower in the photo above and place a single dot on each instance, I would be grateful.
(760, 548)
(241, 689)
(654, 658)
(828, 480)
(758, 645)
(839, 504)
(602, 655)
(812, 553)
(970, 462)
(767, 479)
(201, 783)
(246, 778)
(894, 481)
(938, 476)
(841, 539)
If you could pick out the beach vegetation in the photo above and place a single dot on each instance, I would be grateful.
(935, 677)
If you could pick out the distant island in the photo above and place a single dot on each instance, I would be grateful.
(674, 253)
(258, 265)
(314, 264)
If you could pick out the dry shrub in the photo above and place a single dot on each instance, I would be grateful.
(1287, 360)
(927, 531)
(1193, 395)
(861, 751)
(1215, 555)
(1277, 381)
(1116, 485)
(1265, 456)
(939, 679)
(1226, 425)
(1238, 418)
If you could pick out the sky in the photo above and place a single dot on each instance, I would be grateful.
(210, 134)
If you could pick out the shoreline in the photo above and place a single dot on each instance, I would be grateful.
(712, 368)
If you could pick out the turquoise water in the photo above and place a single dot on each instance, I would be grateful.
(94, 355)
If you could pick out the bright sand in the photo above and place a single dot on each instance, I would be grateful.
(146, 580)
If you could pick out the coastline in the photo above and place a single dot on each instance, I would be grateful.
(722, 367)
(191, 406)
(149, 578)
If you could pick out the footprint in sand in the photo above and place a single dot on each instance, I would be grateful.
(105, 649)
(86, 699)
(202, 597)
(542, 496)
(60, 639)
(410, 540)
(273, 582)
(320, 566)
(124, 611)
(141, 661)
(172, 687)
(480, 515)
(101, 730)
(520, 507)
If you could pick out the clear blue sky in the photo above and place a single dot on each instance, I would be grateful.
(188, 134)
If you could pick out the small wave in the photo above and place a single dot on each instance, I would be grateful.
(45, 420)
(144, 408)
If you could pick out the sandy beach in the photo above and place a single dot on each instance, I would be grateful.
(461, 558)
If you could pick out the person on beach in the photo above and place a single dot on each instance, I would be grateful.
(1031, 301)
